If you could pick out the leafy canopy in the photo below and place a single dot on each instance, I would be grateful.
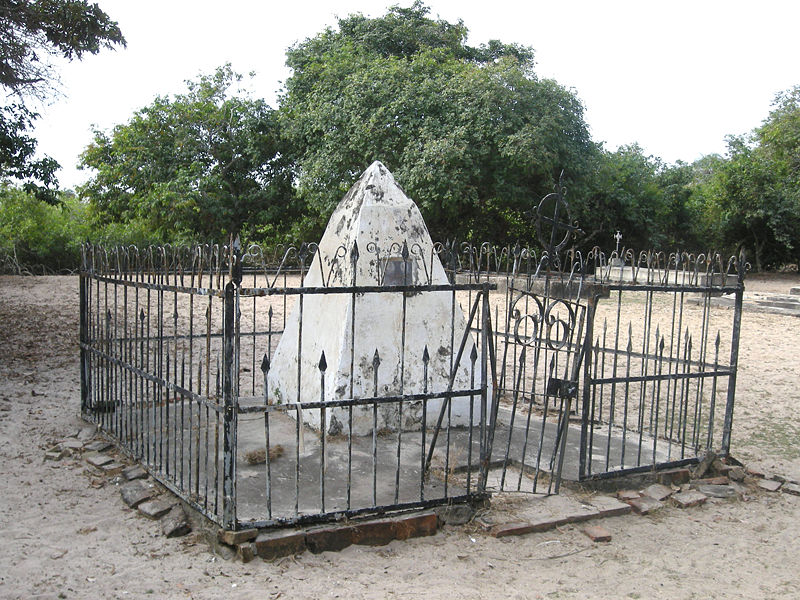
(32, 33)
(751, 198)
(197, 166)
(470, 132)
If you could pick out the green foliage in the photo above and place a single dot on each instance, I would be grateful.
(35, 234)
(473, 136)
(199, 166)
(625, 196)
(30, 32)
(17, 154)
(751, 198)
(42, 238)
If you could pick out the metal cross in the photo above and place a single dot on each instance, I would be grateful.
(560, 221)
(618, 237)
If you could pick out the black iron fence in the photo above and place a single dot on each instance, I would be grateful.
(308, 385)
(211, 367)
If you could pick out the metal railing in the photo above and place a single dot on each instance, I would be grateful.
(585, 366)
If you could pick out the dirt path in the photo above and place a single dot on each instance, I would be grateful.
(67, 534)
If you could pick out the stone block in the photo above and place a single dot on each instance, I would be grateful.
(753, 472)
(330, 539)
(55, 454)
(234, 538)
(791, 488)
(134, 472)
(596, 533)
(719, 480)
(87, 432)
(736, 474)
(112, 468)
(689, 499)
(770, 485)
(73, 445)
(175, 523)
(610, 507)
(98, 460)
(135, 492)
(275, 544)
(675, 476)
(721, 468)
(704, 465)
(155, 509)
(740, 488)
(645, 505)
(246, 552)
(716, 491)
(658, 492)
(626, 495)
(98, 446)
(455, 514)
(419, 525)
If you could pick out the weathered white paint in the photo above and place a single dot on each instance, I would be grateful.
(378, 216)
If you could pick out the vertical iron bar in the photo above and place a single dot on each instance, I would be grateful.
(737, 325)
(585, 444)
(229, 520)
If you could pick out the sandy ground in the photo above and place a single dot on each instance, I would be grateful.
(66, 533)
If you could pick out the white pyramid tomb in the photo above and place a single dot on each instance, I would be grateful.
(378, 219)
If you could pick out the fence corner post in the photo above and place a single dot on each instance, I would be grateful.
(229, 520)
(727, 426)
(83, 337)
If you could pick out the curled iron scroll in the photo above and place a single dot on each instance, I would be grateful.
(542, 324)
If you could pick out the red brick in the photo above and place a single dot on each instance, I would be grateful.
(597, 533)
(674, 476)
(517, 528)
(626, 495)
(720, 480)
(330, 539)
(416, 526)
(275, 544)
(234, 538)
(610, 507)
(658, 491)
(374, 533)
(688, 499)
(645, 505)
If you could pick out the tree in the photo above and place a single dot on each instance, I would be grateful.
(17, 154)
(31, 34)
(751, 198)
(199, 166)
(470, 132)
(624, 195)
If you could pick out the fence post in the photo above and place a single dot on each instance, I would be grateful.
(587, 380)
(229, 520)
(737, 325)
(485, 446)
(83, 331)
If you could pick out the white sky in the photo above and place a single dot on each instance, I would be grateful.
(676, 77)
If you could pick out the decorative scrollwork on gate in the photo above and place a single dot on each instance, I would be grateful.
(542, 324)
